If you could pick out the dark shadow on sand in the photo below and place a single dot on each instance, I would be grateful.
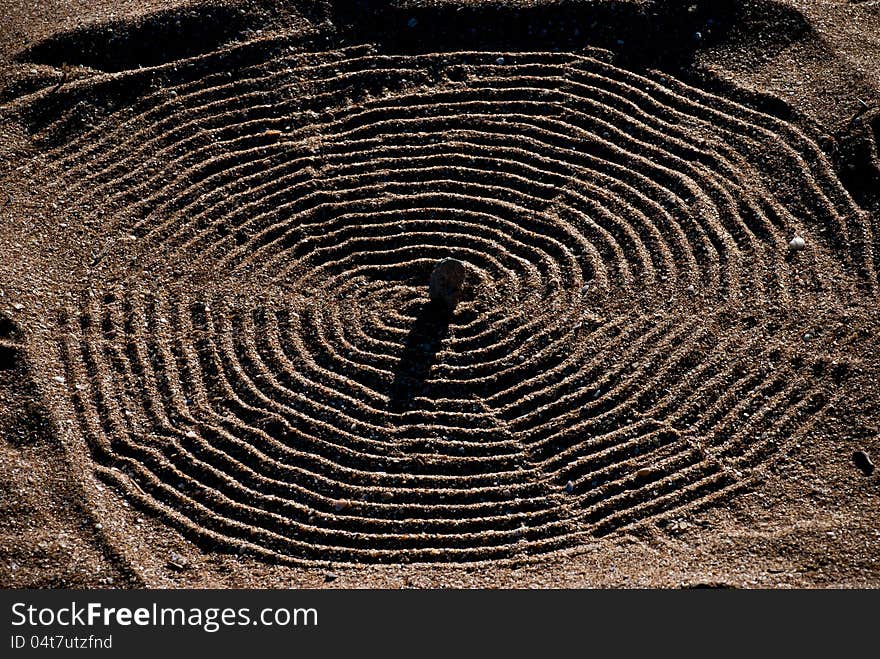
(420, 349)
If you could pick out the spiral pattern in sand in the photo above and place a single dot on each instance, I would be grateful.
(283, 388)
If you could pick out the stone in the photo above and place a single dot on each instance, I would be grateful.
(797, 244)
(447, 281)
(177, 562)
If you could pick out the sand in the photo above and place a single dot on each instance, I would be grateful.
(220, 365)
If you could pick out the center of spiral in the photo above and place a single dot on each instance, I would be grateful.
(447, 281)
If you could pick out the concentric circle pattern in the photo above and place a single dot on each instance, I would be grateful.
(286, 390)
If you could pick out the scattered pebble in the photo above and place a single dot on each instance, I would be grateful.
(499, 61)
(340, 505)
(59, 379)
(177, 562)
(569, 487)
(644, 472)
(330, 576)
(797, 244)
(863, 461)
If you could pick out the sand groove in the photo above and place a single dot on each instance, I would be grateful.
(266, 373)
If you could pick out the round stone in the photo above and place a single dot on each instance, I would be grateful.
(447, 281)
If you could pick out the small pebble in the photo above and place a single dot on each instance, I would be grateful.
(797, 244)
(413, 22)
(863, 461)
(177, 562)
(644, 473)
(330, 576)
(569, 487)
(341, 505)
(499, 61)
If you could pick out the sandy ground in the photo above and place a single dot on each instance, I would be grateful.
(219, 366)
